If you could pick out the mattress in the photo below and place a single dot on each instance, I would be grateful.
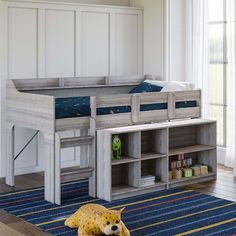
(80, 107)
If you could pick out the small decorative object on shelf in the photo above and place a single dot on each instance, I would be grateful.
(116, 147)
(170, 175)
(189, 161)
(181, 157)
(188, 172)
(179, 164)
(177, 174)
(173, 165)
(184, 163)
(147, 180)
(196, 170)
(204, 169)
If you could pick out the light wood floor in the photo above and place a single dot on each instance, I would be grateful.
(223, 187)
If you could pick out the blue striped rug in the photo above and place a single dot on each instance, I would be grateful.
(169, 212)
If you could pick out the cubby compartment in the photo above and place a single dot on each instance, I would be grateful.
(197, 163)
(154, 144)
(130, 148)
(194, 138)
(125, 178)
(156, 168)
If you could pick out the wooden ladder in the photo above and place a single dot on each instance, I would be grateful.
(83, 172)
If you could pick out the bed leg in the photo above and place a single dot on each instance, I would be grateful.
(49, 176)
(57, 169)
(10, 180)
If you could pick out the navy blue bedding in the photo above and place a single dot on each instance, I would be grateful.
(80, 107)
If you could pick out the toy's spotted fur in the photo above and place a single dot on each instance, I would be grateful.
(93, 220)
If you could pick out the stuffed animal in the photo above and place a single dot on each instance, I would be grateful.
(116, 147)
(95, 220)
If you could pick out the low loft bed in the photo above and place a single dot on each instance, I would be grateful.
(87, 103)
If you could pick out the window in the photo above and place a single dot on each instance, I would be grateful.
(218, 65)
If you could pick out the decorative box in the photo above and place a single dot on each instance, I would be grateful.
(177, 174)
(204, 169)
(189, 161)
(170, 175)
(196, 170)
(181, 157)
(173, 165)
(179, 164)
(184, 163)
(188, 172)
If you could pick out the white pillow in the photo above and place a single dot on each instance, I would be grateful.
(156, 82)
(177, 86)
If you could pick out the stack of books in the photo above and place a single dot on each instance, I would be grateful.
(147, 180)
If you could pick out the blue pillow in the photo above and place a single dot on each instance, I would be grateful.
(146, 88)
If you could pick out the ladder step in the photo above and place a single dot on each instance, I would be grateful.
(87, 171)
(76, 141)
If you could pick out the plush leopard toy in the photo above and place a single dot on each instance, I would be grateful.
(96, 220)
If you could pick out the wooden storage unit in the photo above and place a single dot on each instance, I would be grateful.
(147, 151)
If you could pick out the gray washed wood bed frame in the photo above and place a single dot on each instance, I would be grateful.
(30, 103)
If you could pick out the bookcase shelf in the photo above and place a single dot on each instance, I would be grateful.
(124, 160)
(152, 155)
(195, 179)
(147, 151)
(190, 149)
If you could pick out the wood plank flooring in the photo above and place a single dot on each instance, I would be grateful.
(223, 187)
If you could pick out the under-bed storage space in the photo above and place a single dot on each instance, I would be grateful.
(155, 157)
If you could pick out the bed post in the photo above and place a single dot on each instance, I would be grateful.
(171, 106)
(10, 131)
(92, 147)
(135, 106)
(49, 173)
(57, 168)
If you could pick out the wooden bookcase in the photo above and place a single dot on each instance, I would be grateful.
(148, 150)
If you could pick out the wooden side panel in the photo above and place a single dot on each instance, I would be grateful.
(104, 177)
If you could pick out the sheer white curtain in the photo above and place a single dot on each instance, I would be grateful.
(230, 158)
(197, 64)
(197, 47)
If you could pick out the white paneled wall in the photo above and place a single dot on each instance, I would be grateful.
(60, 40)
(60, 43)
(22, 29)
(94, 43)
(126, 46)
(154, 35)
